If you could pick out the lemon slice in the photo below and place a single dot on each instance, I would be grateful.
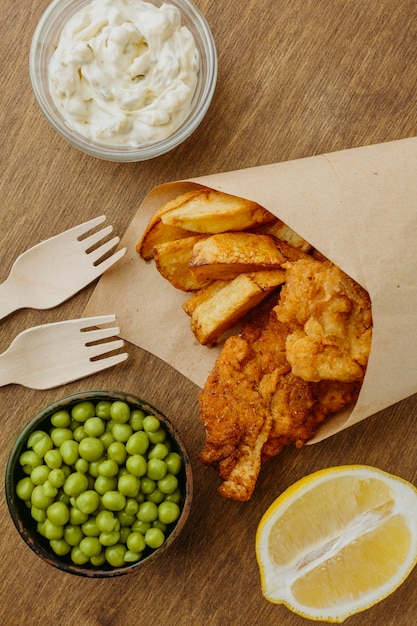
(338, 541)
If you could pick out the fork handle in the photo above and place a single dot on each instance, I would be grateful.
(5, 372)
(9, 298)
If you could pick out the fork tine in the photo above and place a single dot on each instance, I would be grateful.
(96, 254)
(91, 336)
(97, 320)
(91, 240)
(102, 364)
(105, 348)
(83, 228)
(106, 263)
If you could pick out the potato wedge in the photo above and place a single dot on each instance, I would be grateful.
(202, 295)
(217, 314)
(172, 261)
(287, 234)
(225, 255)
(157, 232)
(211, 211)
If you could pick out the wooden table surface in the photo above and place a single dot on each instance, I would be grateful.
(296, 78)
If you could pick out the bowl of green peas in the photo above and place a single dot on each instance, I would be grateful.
(99, 484)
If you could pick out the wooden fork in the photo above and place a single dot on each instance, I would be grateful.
(55, 269)
(50, 355)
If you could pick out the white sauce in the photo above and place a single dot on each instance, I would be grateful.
(124, 72)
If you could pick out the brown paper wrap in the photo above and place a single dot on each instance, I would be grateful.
(357, 206)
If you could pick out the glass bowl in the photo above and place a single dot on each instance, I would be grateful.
(44, 42)
(26, 524)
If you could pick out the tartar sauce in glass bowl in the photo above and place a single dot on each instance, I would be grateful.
(124, 72)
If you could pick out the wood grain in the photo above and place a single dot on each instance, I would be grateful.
(296, 78)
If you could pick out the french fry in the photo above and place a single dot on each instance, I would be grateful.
(287, 234)
(226, 255)
(211, 211)
(220, 312)
(202, 295)
(157, 232)
(172, 261)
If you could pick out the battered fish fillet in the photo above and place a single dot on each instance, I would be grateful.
(252, 404)
(331, 320)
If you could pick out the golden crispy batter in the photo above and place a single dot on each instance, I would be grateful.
(331, 321)
(252, 405)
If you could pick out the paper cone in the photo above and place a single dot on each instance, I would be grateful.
(358, 207)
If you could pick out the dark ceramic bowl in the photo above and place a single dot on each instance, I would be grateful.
(21, 514)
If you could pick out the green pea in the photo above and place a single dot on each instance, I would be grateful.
(98, 560)
(147, 485)
(81, 465)
(51, 530)
(168, 512)
(81, 411)
(174, 462)
(49, 489)
(147, 511)
(103, 409)
(69, 451)
(128, 485)
(105, 483)
(24, 488)
(110, 538)
(89, 528)
(140, 526)
(107, 439)
(136, 542)
(157, 436)
(40, 474)
(117, 452)
(105, 521)
(79, 433)
(120, 412)
(121, 432)
(93, 468)
(124, 533)
(34, 437)
(159, 451)
(132, 557)
(56, 477)
(156, 496)
(108, 468)
(94, 427)
(61, 419)
(43, 445)
(39, 515)
(58, 513)
(168, 483)
(115, 555)
(91, 546)
(88, 501)
(125, 519)
(53, 459)
(151, 423)
(59, 435)
(154, 538)
(28, 460)
(73, 534)
(132, 506)
(39, 498)
(157, 469)
(78, 557)
(136, 465)
(60, 546)
(114, 500)
(136, 419)
(158, 524)
(91, 449)
(75, 484)
(77, 517)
